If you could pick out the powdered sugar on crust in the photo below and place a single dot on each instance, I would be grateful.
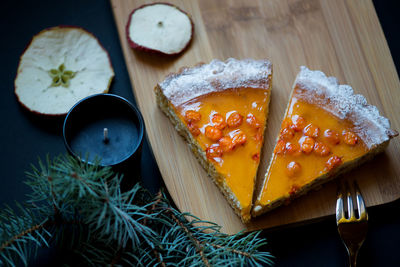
(340, 100)
(216, 76)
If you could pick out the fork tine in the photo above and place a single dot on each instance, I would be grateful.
(339, 204)
(350, 208)
(362, 212)
(351, 230)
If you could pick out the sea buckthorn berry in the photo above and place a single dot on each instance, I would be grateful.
(194, 129)
(321, 149)
(307, 144)
(252, 121)
(239, 138)
(293, 169)
(213, 133)
(292, 149)
(280, 147)
(350, 138)
(192, 116)
(298, 123)
(258, 137)
(333, 162)
(332, 137)
(234, 119)
(226, 144)
(311, 130)
(293, 190)
(218, 121)
(256, 157)
(214, 151)
(287, 133)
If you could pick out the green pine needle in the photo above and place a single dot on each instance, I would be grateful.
(81, 208)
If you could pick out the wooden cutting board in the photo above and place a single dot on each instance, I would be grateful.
(343, 38)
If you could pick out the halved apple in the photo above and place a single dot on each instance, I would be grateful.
(61, 66)
(159, 28)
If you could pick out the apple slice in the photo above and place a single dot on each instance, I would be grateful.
(61, 66)
(159, 28)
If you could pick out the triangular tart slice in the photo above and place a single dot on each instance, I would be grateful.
(221, 109)
(327, 130)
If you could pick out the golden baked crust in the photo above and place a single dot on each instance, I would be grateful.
(205, 79)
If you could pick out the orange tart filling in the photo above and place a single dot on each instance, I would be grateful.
(312, 142)
(327, 130)
(220, 108)
(229, 125)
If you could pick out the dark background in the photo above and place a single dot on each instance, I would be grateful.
(24, 138)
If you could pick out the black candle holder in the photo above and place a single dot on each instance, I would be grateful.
(106, 129)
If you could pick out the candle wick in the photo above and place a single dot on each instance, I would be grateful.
(105, 135)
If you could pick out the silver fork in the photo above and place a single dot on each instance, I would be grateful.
(352, 229)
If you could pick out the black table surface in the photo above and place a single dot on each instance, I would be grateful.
(24, 139)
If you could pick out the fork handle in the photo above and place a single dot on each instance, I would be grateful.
(353, 257)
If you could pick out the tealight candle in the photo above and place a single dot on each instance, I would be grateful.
(105, 127)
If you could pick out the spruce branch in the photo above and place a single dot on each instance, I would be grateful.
(17, 231)
(81, 208)
(157, 200)
(199, 246)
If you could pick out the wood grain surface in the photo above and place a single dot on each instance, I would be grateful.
(343, 38)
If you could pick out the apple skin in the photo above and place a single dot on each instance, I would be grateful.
(141, 48)
(57, 115)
